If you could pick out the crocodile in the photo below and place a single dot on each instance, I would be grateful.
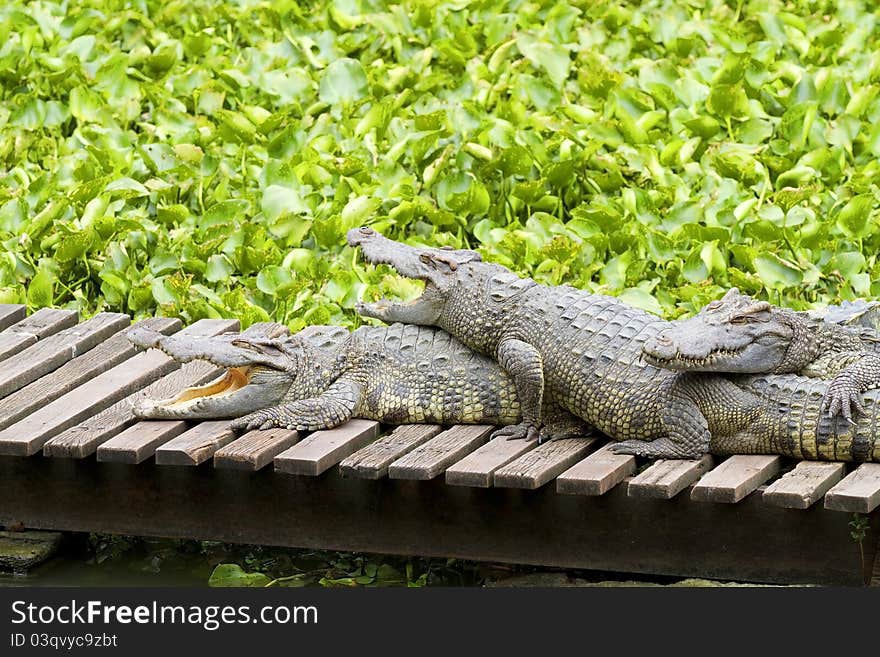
(408, 374)
(321, 376)
(739, 334)
(583, 352)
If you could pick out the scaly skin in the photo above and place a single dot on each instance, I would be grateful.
(582, 352)
(738, 334)
(418, 374)
(324, 375)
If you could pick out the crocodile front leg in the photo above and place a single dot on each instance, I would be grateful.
(330, 409)
(526, 367)
(687, 434)
(844, 394)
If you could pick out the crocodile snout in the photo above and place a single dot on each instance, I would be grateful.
(355, 235)
(660, 347)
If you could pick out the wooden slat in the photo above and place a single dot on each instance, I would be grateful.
(665, 479)
(804, 485)
(138, 443)
(538, 466)
(372, 461)
(83, 368)
(323, 449)
(50, 425)
(10, 313)
(255, 449)
(196, 445)
(596, 474)
(478, 468)
(858, 492)
(48, 354)
(735, 478)
(431, 458)
(43, 323)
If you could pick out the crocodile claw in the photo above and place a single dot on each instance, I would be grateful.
(519, 431)
(252, 422)
(843, 398)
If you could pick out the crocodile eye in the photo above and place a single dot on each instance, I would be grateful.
(243, 344)
(743, 319)
(715, 305)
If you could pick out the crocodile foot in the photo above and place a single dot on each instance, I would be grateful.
(253, 421)
(843, 398)
(564, 429)
(662, 448)
(517, 432)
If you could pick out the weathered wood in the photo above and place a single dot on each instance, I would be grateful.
(597, 474)
(538, 466)
(749, 541)
(323, 449)
(83, 368)
(372, 461)
(665, 479)
(75, 424)
(10, 313)
(804, 485)
(196, 445)
(478, 468)
(138, 443)
(255, 449)
(431, 458)
(26, 332)
(858, 492)
(735, 478)
(48, 354)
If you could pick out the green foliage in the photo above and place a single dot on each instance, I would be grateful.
(204, 159)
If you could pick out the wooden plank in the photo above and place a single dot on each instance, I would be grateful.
(749, 541)
(540, 465)
(372, 461)
(138, 443)
(43, 323)
(10, 313)
(83, 368)
(431, 458)
(48, 354)
(323, 449)
(858, 492)
(83, 438)
(255, 449)
(597, 474)
(735, 478)
(30, 434)
(478, 468)
(196, 445)
(665, 479)
(804, 485)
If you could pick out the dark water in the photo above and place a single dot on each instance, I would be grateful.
(100, 560)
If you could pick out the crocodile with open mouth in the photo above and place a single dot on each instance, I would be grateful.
(741, 335)
(583, 352)
(321, 376)
(400, 374)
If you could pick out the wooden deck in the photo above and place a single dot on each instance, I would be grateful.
(73, 457)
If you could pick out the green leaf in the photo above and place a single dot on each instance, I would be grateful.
(343, 82)
(232, 575)
(551, 57)
(777, 273)
(40, 291)
(853, 218)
